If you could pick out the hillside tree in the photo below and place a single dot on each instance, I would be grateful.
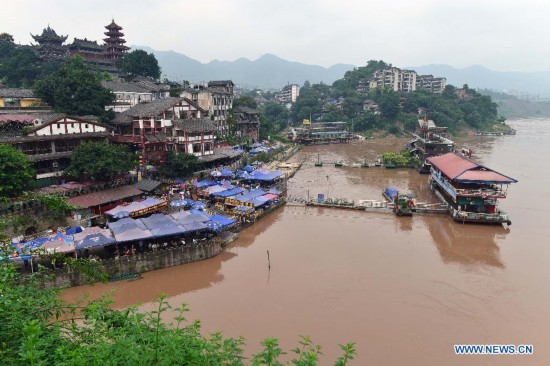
(16, 171)
(100, 161)
(140, 63)
(75, 90)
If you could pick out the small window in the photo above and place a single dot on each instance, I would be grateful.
(72, 125)
(86, 125)
(58, 126)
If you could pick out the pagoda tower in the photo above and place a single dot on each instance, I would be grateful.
(50, 45)
(114, 47)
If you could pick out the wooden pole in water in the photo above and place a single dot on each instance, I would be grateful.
(268, 261)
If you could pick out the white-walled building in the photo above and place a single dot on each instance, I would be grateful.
(429, 83)
(50, 139)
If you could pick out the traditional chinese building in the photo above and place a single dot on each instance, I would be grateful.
(194, 136)
(49, 139)
(247, 122)
(91, 52)
(50, 45)
(149, 127)
(470, 190)
(114, 43)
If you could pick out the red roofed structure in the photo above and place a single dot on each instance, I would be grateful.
(470, 190)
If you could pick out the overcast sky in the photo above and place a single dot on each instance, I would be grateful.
(502, 35)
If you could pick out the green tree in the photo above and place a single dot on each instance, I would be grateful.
(21, 68)
(75, 90)
(389, 104)
(179, 165)
(100, 160)
(245, 101)
(7, 45)
(140, 63)
(16, 171)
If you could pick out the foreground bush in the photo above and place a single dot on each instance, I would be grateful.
(38, 328)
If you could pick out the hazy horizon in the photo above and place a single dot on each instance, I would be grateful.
(500, 35)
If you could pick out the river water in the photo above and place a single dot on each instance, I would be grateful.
(404, 289)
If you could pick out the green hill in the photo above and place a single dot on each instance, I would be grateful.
(395, 112)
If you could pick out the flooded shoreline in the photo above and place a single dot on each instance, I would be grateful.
(404, 289)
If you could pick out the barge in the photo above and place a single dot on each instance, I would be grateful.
(471, 191)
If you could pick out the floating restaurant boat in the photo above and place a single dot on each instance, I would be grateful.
(322, 133)
(470, 190)
(430, 140)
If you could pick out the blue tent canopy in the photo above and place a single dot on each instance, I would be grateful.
(195, 226)
(224, 221)
(258, 201)
(248, 168)
(178, 203)
(265, 176)
(226, 173)
(125, 224)
(169, 230)
(390, 193)
(215, 173)
(132, 234)
(274, 191)
(204, 183)
(228, 193)
(94, 240)
(250, 195)
(199, 205)
(156, 220)
(74, 230)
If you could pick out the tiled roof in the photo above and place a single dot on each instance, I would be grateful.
(221, 154)
(147, 185)
(153, 108)
(103, 197)
(245, 110)
(195, 125)
(16, 93)
(86, 43)
(150, 84)
(220, 82)
(116, 86)
(20, 118)
(458, 168)
(158, 137)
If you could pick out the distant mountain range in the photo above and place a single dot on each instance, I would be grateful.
(272, 72)
(268, 72)
(480, 77)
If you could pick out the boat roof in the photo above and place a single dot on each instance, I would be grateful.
(461, 169)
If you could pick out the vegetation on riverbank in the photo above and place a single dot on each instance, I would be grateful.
(386, 110)
(39, 328)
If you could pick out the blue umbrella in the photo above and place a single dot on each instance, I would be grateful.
(121, 214)
(178, 203)
(199, 205)
(216, 173)
(248, 168)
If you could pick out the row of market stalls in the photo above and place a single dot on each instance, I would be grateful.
(125, 230)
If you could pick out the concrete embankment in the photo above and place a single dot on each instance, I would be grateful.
(143, 262)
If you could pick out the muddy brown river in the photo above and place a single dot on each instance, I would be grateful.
(404, 289)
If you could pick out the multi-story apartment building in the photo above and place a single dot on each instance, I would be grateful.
(402, 80)
(217, 99)
(289, 93)
(393, 78)
(429, 83)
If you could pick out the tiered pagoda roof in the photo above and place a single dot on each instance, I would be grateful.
(49, 36)
(50, 44)
(114, 43)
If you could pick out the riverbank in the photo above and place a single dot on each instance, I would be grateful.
(175, 252)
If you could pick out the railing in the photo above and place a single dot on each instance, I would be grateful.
(482, 192)
(499, 216)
